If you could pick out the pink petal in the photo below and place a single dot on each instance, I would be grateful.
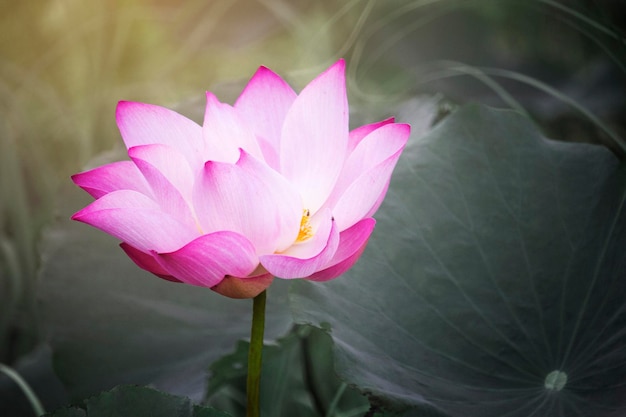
(357, 201)
(122, 175)
(248, 287)
(264, 104)
(137, 220)
(315, 136)
(249, 198)
(366, 174)
(147, 262)
(270, 154)
(145, 124)
(352, 243)
(378, 202)
(359, 133)
(225, 132)
(208, 259)
(321, 225)
(377, 146)
(293, 264)
(170, 178)
(169, 162)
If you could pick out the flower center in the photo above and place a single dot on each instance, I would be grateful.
(306, 232)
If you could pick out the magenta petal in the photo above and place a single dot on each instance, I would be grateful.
(145, 124)
(225, 132)
(147, 262)
(377, 146)
(288, 267)
(138, 220)
(315, 137)
(169, 162)
(122, 175)
(357, 201)
(208, 259)
(264, 104)
(359, 133)
(352, 243)
(249, 198)
(366, 174)
(170, 178)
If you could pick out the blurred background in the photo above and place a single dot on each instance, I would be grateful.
(64, 64)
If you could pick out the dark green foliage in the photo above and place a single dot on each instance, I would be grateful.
(498, 258)
(297, 379)
(137, 401)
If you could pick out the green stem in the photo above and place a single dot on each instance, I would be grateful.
(32, 398)
(254, 355)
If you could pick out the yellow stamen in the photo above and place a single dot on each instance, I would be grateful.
(306, 232)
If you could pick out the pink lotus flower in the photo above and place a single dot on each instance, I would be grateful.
(274, 186)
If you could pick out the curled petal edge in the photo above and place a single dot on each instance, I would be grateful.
(207, 260)
(111, 177)
(290, 267)
(146, 262)
(352, 243)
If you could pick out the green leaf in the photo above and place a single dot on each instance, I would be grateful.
(498, 258)
(137, 401)
(111, 323)
(297, 379)
(68, 412)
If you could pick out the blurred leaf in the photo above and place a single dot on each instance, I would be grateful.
(297, 379)
(111, 323)
(36, 370)
(137, 401)
(68, 412)
(498, 258)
